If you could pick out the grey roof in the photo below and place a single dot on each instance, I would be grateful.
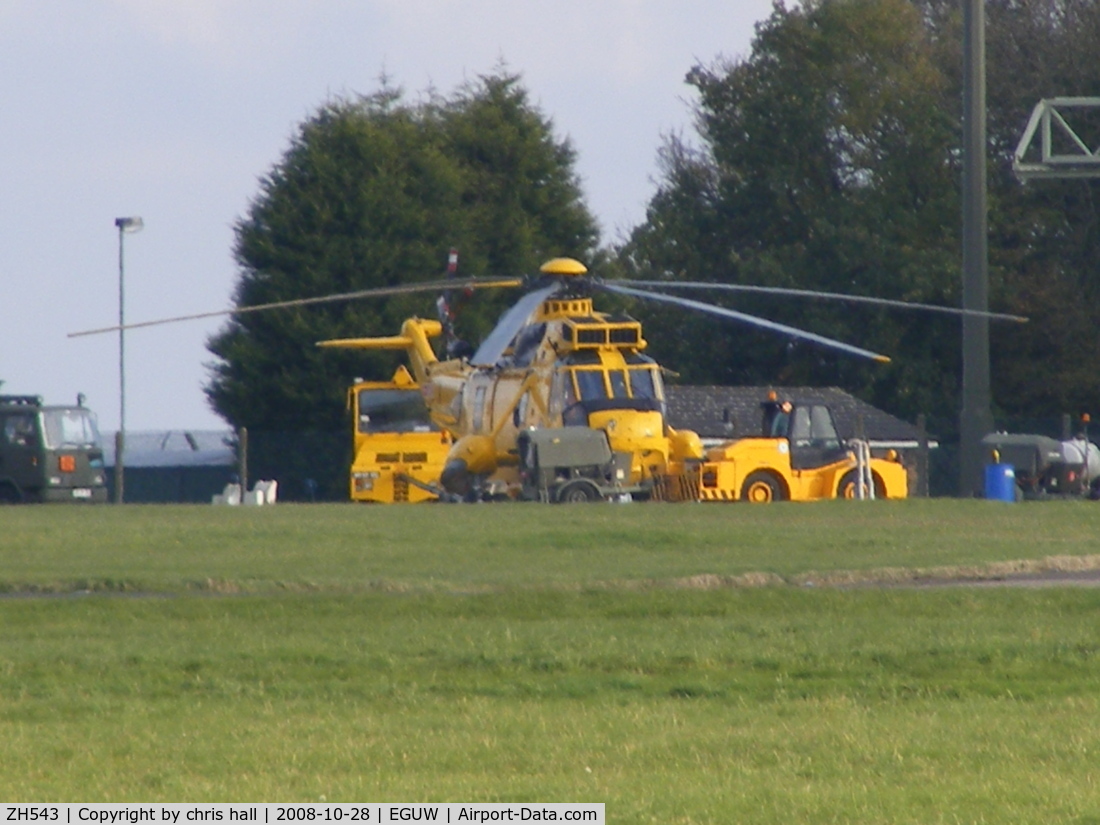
(734, 412)
(173, 448)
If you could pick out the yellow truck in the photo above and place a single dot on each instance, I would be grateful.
(399, 453)
(798, 457)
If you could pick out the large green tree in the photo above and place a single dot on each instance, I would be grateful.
(829, 158)
(373, 191)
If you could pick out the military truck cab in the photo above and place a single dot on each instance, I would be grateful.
(49, 453)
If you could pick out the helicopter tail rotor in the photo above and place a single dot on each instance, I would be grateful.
(447, 306)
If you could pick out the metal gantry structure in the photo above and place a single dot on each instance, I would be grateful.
(1057, 126)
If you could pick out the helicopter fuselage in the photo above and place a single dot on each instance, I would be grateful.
(570, 366)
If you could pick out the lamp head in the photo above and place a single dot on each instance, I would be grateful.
(133, 224)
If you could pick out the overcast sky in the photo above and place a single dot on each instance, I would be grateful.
(173, 109)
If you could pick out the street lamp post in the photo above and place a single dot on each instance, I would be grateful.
(125, 225)
(976, 416)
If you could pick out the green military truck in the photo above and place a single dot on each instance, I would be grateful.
(49, 453)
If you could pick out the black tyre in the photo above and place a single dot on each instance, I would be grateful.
(10, 494)
(762, 488)
(849, 486)
(578, 492)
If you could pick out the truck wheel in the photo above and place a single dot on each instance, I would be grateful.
(9, 493)
(578, 492)
(762, 488)
(848, 487)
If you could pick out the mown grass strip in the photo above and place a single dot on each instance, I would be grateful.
(350, 548)
(553, 653)
(770, 705)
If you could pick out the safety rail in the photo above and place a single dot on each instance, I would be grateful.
(865, 479)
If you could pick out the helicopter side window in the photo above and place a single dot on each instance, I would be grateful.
(563, 389)
(479, 408)
(519, 412)
(568, 390)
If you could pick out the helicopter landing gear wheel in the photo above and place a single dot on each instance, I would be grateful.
(849, 486)
(578, 492)
(762, 488)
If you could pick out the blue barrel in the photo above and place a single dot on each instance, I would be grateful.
(1000, 482)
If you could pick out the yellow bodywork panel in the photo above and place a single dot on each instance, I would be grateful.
(385, 462)
(639, 433)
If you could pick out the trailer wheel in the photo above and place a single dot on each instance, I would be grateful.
(849, 485)
(578, 492)
(762, 488)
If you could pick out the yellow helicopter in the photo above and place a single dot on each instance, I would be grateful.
(552, 361)
(554, 365)
(553, 370)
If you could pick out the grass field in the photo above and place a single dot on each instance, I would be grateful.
(531, 653)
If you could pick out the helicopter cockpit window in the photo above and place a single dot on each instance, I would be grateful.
(386, 410)
(590, 384)
(568, 391)
(618, 384)
(642, 384)
(590, 387)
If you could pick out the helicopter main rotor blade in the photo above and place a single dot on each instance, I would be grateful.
(493, 347)
(828, 296)
(752, 320)
(424, 286)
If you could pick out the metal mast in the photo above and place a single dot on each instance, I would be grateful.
(976, 417)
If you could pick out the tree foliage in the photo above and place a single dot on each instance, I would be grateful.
(830, 158)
